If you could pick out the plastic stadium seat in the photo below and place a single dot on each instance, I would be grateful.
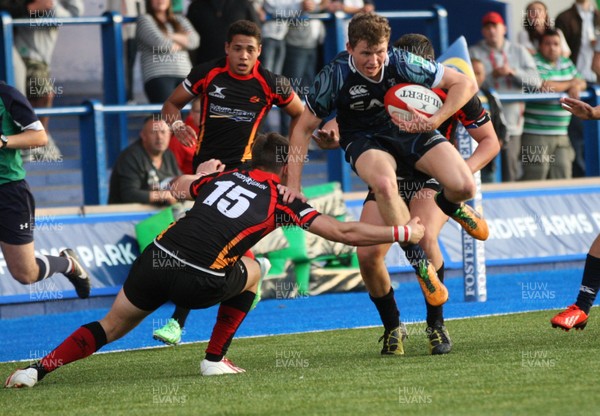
(298, 249)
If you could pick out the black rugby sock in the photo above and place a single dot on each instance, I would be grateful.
(388, 310)
(435, 314)
(446, 206)
(414, 254)
(48, 265)
(180, 315)
(590, 283)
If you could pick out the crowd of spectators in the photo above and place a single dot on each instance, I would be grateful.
(170, 40)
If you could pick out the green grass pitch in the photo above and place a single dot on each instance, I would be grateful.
(501, 365)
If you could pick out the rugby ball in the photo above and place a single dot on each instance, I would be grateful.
(422, 99)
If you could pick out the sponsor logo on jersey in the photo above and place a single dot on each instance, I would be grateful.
(358, 91)
(219, 111)
(364, 106)
(217, 93)
(255, 99)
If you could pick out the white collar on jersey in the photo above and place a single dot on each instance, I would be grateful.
(353, 68)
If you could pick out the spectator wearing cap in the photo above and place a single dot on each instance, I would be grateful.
(509, 68)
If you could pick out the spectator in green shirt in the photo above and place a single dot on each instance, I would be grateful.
(546, 151)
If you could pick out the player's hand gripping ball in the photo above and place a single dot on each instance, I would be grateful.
(422, 99)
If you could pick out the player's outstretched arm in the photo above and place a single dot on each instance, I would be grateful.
(580, 109)
(355, 233)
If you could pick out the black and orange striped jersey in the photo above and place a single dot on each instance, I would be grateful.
(233, 108)
(472, 115)
(232, 212)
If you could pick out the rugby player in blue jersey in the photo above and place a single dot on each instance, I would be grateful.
(380, 149)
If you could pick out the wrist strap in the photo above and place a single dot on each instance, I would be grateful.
(176, 123)
(406, 233)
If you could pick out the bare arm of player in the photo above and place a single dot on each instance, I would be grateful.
(299, 139)
(355, 233)
(487, 149)
(180, 186)
(171, 113)
(460, 90)
(27, 139)
(294, 109)
(580, 109)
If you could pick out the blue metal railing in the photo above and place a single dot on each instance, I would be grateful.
(111, 24)
(100, 147)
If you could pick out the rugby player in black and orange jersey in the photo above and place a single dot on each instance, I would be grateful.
(235, 94)
(197, 262)
(418, 191)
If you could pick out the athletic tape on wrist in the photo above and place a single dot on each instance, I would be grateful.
(406, 235)
(176, 123)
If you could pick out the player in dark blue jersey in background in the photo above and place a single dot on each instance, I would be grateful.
(201, 257)
(354, 85)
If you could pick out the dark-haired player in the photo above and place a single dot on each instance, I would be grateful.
(232, 211)
(354, 84)
(21, 129)
(235, 94)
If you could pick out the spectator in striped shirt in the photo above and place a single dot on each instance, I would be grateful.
(164, 40)
(546, 151)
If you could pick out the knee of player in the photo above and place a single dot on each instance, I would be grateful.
(369, 256)
(467, 189)
(385, 187)
(24, 277)
(429, 240)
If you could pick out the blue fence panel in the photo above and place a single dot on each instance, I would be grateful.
(100, 147)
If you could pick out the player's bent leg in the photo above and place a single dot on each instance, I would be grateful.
(458, 186)
(20, 260)
(378, 170)
(230, 316)
(28, 268)
(122, 317)
(423, 206)
(377, 280)
(86, 340)
(453, 174)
